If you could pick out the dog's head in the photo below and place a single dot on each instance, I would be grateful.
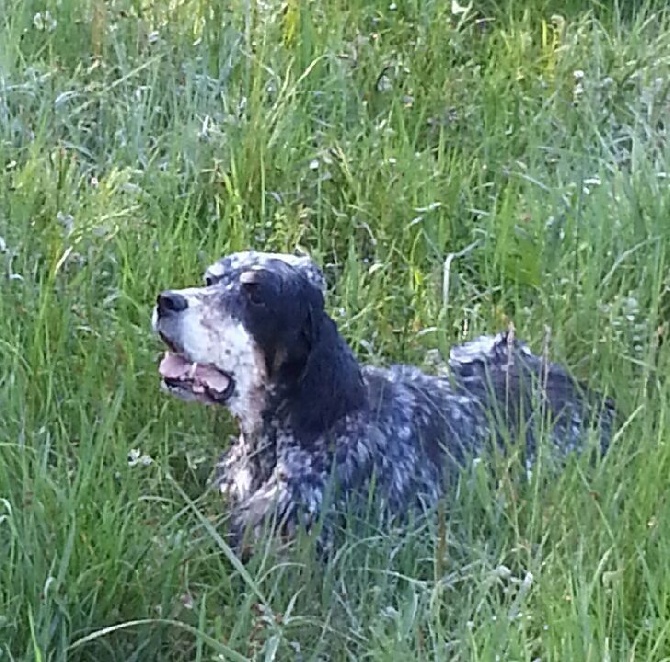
(229, 341)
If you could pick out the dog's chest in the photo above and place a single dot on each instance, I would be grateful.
(245, 467)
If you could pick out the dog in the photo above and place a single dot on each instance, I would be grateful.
(319, 432)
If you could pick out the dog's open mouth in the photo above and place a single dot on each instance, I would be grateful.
(195, 380)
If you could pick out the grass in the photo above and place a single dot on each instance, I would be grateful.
(141, 140)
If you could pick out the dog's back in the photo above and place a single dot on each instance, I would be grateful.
(497, 393)
(530, 396)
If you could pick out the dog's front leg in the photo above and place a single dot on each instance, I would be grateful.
(283, 504)
(235, 474)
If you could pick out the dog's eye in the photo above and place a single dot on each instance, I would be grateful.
(253, 292)
(209, 280)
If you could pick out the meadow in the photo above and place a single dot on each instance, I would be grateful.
(454, 168)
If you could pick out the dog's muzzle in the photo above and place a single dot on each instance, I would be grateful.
(181, 376)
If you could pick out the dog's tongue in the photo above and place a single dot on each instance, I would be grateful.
(174, 366)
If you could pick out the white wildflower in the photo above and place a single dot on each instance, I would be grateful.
(135, 457)
(44, 21)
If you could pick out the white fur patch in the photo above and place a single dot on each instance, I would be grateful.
(257, 260)
(241, 482)
(211, 337)
(481, 349)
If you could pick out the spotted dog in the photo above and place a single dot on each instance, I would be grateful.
(319, 431)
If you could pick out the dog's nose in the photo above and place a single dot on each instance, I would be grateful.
(171, 302)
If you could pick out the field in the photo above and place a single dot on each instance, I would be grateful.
(454, 169)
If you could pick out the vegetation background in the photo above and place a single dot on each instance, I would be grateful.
(515, 152)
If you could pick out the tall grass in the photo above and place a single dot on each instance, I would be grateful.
(517, 151)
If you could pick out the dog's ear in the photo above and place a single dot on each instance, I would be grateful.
(311, 331)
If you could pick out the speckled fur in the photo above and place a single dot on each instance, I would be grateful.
(319, 430)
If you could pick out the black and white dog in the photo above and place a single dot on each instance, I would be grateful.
(318, 430)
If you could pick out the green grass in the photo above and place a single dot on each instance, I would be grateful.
(141, 140)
